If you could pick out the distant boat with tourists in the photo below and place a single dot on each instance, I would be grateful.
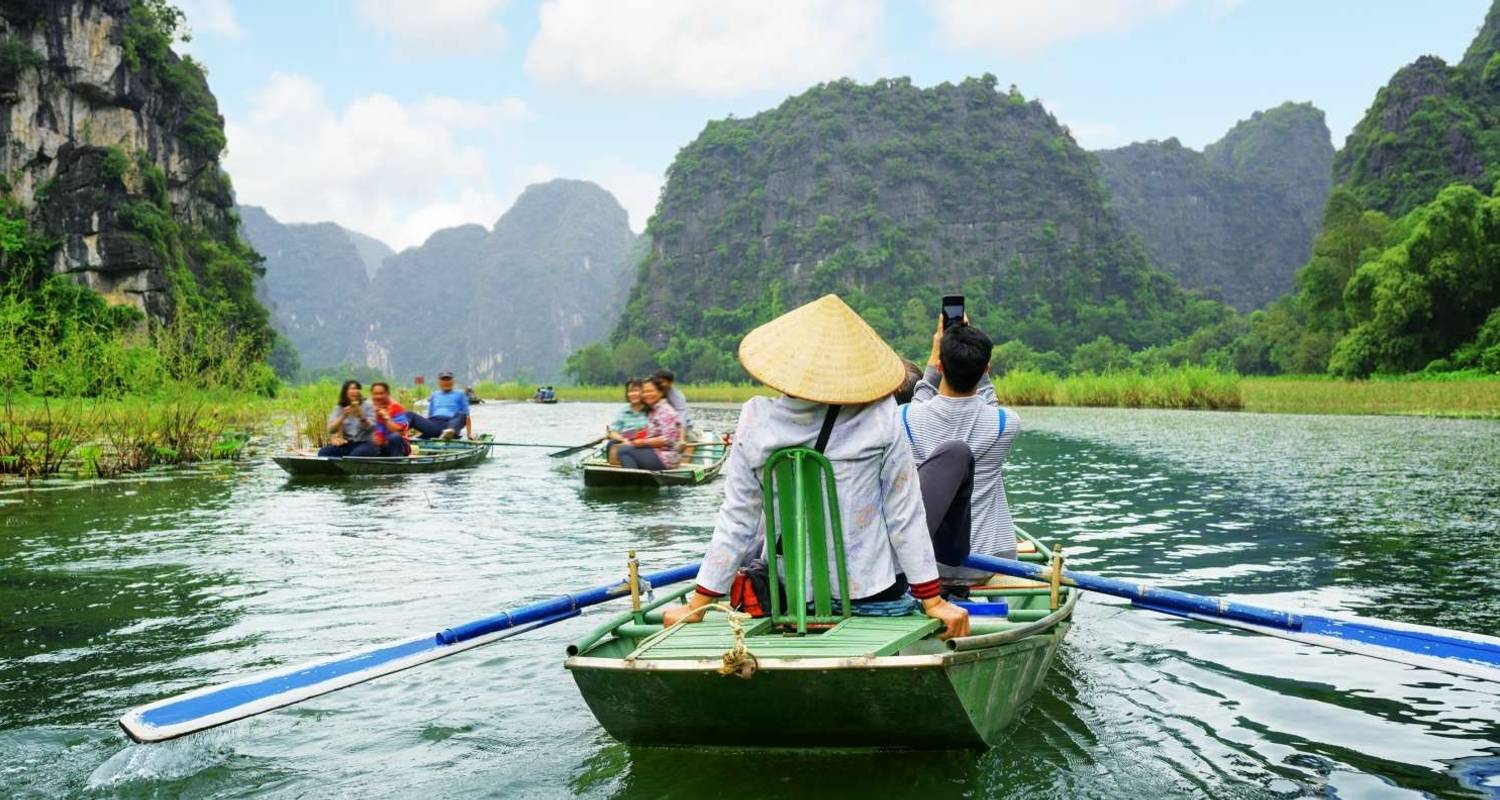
(432, 455)
(701, 463)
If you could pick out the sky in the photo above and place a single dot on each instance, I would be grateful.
(397, 118)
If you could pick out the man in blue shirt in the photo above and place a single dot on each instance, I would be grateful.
(447, 412)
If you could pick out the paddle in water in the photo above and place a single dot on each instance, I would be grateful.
(571, 450)
(256, 694)
(1454, 652)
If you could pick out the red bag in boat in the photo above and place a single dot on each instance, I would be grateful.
(751, 590)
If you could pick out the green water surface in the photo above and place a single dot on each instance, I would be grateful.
(117, 593)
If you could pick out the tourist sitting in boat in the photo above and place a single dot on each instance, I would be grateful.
(351, 426)
(661, 446)
(472, 396)
(630, 424)
(668, 379)
(961, 437)
(391, 422)
(447, 412)
(836, 377)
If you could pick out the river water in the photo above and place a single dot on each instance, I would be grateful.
(117, 593)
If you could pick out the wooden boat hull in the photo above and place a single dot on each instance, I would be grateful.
(703, 466)
(874, 682)
(938, 701)
(300, 466)
(433, 456)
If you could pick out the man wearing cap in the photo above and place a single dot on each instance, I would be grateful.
(447, 412)
(834, 371)
(675, 398)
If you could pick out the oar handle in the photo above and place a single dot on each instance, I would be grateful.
(559, 605)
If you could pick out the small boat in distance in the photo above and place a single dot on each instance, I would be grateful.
(545, 394)
(429, 455)
(875, 682)
(701, 463)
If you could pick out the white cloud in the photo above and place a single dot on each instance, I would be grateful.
(635, 188)
(395, 171)
(1095, 135)
(1025, 28)
(215, 17)
(719, 48)
(438, 27)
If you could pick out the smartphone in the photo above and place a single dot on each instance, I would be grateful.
(953, 310)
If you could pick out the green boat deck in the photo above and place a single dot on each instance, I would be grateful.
(852, 638)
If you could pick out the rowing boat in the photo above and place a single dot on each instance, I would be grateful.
(700, 464)
(427, 456)
(816, 677)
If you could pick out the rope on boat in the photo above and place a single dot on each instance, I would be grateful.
(738, 660)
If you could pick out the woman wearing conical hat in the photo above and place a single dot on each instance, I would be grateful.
(832, 369)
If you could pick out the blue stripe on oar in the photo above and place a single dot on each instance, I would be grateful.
(1456, 652)
(206, 708)
(229, 697)
(1422, 642)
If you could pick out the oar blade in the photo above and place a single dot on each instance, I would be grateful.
(1470, 655)
(212, 706)
(1455, 652)
(265, 691)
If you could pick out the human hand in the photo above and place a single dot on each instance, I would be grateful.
(955, 620)
(690, 613)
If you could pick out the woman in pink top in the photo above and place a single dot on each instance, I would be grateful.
(661, 446)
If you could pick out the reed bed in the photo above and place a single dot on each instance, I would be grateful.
(1180, 387)
(1464, 396)
(104, 438)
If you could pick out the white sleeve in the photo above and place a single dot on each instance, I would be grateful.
(737, 531)
(927, 388)
(905, 516)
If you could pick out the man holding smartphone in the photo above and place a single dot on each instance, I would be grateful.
(961, 437)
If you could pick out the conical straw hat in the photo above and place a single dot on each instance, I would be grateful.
(823, 352)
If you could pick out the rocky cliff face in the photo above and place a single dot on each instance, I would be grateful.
(1432, 125)
(892, 195)
(1238, 219)
(316, 286)
(513, 301)
(110, 143)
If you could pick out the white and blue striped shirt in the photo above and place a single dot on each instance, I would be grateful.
(989, 430)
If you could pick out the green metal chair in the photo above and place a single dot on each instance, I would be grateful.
(798, 486)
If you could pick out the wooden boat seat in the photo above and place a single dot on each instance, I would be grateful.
(854, 637)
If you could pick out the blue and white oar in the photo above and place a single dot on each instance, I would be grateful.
(1455, 652)
(256, 694)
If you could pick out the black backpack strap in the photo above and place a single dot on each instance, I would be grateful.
(827, 431)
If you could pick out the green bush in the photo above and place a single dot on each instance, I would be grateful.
(114, 165)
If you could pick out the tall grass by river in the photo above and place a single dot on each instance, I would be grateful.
(178, 425)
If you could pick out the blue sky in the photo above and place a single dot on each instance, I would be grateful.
(397, 118)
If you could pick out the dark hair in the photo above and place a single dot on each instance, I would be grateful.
(381, 384)
(965, 353)
(344, 391)
(908, 385)
(664, 374)
(655, 381)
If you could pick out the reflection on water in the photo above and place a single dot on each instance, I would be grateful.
(120, 592)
